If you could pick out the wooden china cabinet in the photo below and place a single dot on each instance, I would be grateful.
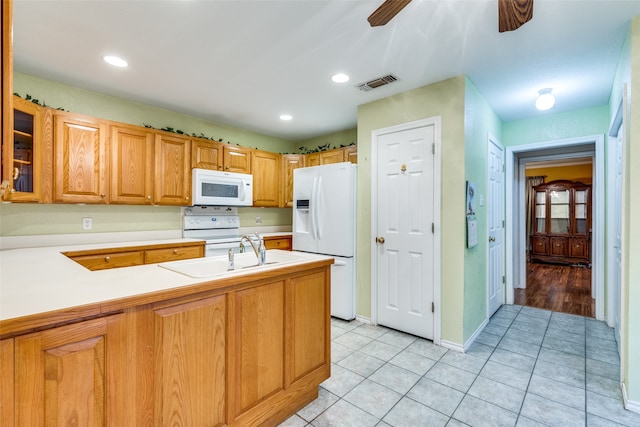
(562, 223)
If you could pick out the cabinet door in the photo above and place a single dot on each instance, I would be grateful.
(63, 375)
(237, 159)
(26, 152)
(265, 168)
(80, 162)
(579, 248)
(313, 159)
(207, 155)
(190, 363)
(311, 325)
(278, 242)
(172, 184)
(259, 349)
(539, 245)
(351, 154)
(131, 165)
(582, 223)
(331, 156)
(289, 163)
(7, 383)
(558, 246)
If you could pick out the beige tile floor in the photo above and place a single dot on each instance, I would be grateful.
(529, 367)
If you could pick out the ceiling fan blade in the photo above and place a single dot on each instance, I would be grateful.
(386, 12)
(513, 13)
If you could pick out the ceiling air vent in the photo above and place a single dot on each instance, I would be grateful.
(380, 81)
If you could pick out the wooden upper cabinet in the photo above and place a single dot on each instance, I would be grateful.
(289, 162)
(80, 159)
(351, 154)
(26, 153)
(237, 159)
(313, 159)
(207, 155)
(331, 156)
(72, 375)
(266, 178)
(131, 165)
(172, 185)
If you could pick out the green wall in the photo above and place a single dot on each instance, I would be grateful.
(108, 107)
(445, 99)
(551, 127)
(335, 140)
(26, 219)
(480, 121)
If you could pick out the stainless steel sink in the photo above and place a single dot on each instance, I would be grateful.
(219, 265)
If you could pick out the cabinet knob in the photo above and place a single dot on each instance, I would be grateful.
(107, 258)
(175, 251)
(103, 196)
(186, 197)
(148, 197)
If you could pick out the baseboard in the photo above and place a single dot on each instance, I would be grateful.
(363, 319)
(452, 345)
(629, 405)
(463, 348)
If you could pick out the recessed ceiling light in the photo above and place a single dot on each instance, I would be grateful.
(340, 78)
(286, 117)
(545, 99)
(115, 61)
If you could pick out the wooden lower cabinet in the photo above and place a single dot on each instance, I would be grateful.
(72, 375)
(278, 242)
(247, 355)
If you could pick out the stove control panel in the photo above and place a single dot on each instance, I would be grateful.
(206, 222)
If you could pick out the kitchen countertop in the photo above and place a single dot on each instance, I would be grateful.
(41, 280)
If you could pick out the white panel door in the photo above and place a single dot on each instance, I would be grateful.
(615, 209)
(405, 249)
(495, 219)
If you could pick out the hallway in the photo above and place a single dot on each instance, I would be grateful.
(529, 367)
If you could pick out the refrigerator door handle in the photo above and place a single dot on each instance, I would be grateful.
(314, 195)
(317, 208)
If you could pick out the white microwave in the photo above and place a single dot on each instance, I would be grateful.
(218, 188)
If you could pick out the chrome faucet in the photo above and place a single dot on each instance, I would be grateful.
(231, 261)
(260, 251)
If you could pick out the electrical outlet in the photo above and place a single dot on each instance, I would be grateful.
(87, 223)
(258, 220)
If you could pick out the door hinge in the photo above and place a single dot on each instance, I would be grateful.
(433, 148)
(433, 228)
(433, 307)
(502, 168)
(503, 223)
(503, 279)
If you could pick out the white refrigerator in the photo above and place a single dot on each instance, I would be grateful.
(324, 218)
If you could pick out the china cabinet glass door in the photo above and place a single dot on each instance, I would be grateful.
(541, 212)
(580, 207)
(559, 211)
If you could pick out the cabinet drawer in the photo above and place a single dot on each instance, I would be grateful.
(154, 256)
(112, 260)
(283, 243)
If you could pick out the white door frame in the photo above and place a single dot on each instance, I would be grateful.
(493, 140)
(436, 122)
(515, 215)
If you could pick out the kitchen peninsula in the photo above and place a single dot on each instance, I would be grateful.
(145, 345)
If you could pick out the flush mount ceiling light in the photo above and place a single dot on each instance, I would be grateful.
(340, 78)
(545, 99)
(286, 117)
(115, 61)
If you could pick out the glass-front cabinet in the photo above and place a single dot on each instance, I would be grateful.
(562, 223)
(24, 151)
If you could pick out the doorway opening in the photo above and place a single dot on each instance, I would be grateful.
(558, 235)
(567, 150)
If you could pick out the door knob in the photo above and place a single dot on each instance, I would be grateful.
(380, 240)
(492, 239)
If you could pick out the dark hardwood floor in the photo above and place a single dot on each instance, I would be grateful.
(558, 288)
